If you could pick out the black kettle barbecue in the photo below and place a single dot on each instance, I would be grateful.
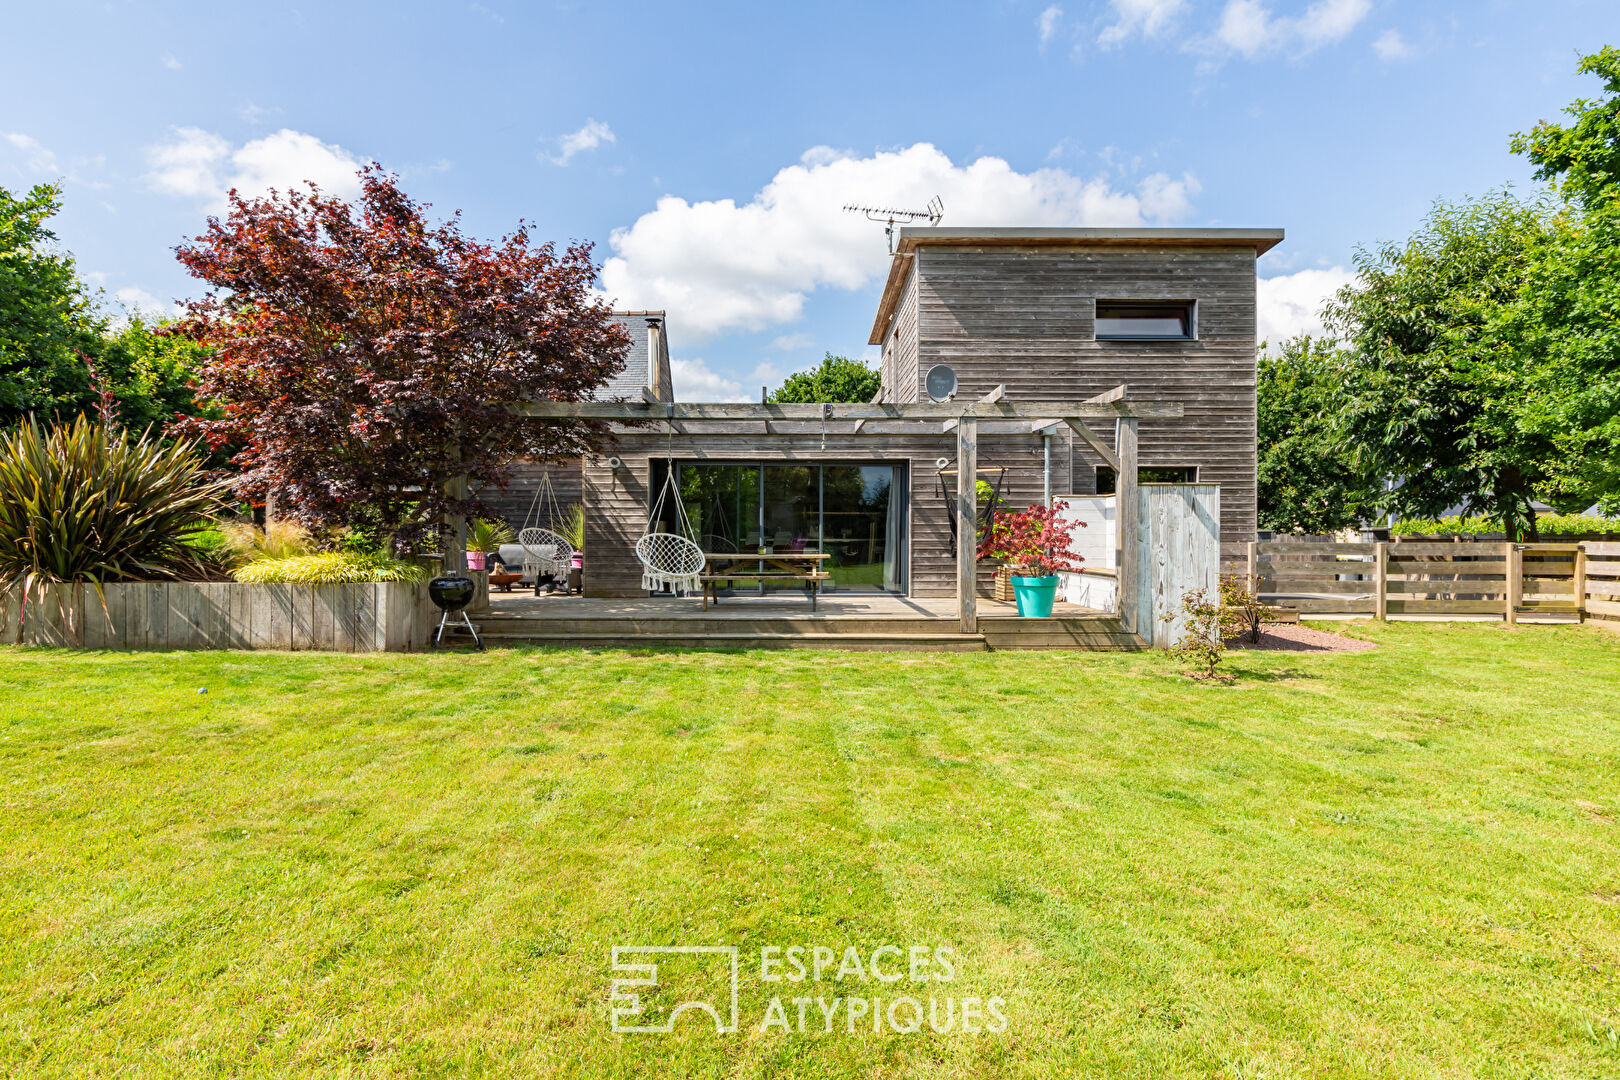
(451, 593)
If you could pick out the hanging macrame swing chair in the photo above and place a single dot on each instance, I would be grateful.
(544, 551)
(670, 560)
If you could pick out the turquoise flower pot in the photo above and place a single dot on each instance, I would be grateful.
(1035, 595)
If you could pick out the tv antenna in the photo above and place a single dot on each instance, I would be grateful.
(889, 215)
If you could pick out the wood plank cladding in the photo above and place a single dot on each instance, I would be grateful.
(616, 500)
(512, 503)
(1022, 317)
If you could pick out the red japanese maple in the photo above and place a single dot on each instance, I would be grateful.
(363, 355)
(1034, 542)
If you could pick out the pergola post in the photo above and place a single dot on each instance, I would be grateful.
(1126, 550)
(967, 531)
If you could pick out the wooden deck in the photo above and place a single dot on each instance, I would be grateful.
(861, 621)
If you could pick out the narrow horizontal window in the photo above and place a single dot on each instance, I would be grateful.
(1154, 319)
(1108, 483)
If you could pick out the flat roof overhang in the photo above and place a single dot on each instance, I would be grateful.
(915, 238)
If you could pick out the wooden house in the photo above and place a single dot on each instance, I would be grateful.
(1016, 315)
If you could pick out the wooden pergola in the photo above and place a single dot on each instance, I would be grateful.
(969, 419)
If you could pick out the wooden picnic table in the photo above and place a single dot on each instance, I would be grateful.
(802, 566)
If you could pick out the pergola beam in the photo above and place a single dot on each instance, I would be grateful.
(774, 412)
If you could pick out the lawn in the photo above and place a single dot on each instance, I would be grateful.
(1403, 862)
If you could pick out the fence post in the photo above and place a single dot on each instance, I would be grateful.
(1580, 581)
(1381, 582)
(1254, 568)
(1515, 582)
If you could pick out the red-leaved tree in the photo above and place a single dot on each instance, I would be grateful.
(362, 354)
(1034, 542)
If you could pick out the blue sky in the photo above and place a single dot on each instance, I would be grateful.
(707, 150)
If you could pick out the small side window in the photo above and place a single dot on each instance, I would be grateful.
(1108, 483)
(1145, 320)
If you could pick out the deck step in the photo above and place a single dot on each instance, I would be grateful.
(701, 639)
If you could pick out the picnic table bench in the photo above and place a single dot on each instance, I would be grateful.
(802, 566)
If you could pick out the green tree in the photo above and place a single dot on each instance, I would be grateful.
(45, 312)
(1433, 384)
(1568, 315)
(837, 378)
(1308, 481)
(151, 372)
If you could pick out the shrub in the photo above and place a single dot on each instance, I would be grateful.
(80, 503)
(1034, 543)
(328, 568)
(1546, 525)
(1245, 606)
(1208, 624)
(278, 539)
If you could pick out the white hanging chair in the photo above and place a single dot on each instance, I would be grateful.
(670, 560)
(544, 550)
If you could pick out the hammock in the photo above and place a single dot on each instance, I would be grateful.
(670, 560)
(544, 551)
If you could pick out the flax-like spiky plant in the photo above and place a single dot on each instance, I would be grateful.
(81, 503)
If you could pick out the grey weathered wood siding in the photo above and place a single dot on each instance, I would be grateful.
(513, 502)
(901, 378)
(1023, 318)
(617, 500)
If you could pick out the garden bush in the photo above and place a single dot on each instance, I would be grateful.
(81, 503)
(329, 568)
(1547, 526)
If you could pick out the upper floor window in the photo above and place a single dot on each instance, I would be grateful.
(1153, 320)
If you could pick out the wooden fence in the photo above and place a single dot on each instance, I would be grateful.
(1553, 582)
(371, 617)
(1597, 574)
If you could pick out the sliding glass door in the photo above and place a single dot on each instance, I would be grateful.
(854, 513)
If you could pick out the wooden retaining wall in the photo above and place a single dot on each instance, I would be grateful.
(370, 617)
(1547, 582)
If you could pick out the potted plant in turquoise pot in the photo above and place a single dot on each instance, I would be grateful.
(1035, 543)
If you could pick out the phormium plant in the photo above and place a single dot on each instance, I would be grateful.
(81, 503)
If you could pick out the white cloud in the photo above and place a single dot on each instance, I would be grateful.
(200, 165)
(136, 300)
(1047, 23)
(257, 114)
(170, 62)
(1148, 17)
(1291, 304)
(1248, 26)
(1391, 46)
(718, 266)
(695, 382)
(791, 342)
(587, 138)
(37, 158)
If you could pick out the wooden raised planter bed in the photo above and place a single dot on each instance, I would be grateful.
(370, 617)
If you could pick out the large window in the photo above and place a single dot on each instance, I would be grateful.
(855, 513)
(1145, 320)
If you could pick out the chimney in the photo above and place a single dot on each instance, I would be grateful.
(653, 327)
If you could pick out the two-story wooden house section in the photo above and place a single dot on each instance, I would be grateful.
(1064, 314)
(1049, 315)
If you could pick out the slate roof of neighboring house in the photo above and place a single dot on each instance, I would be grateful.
(628, 383)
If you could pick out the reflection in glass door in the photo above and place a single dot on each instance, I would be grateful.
(855, 519)
(854, 513)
